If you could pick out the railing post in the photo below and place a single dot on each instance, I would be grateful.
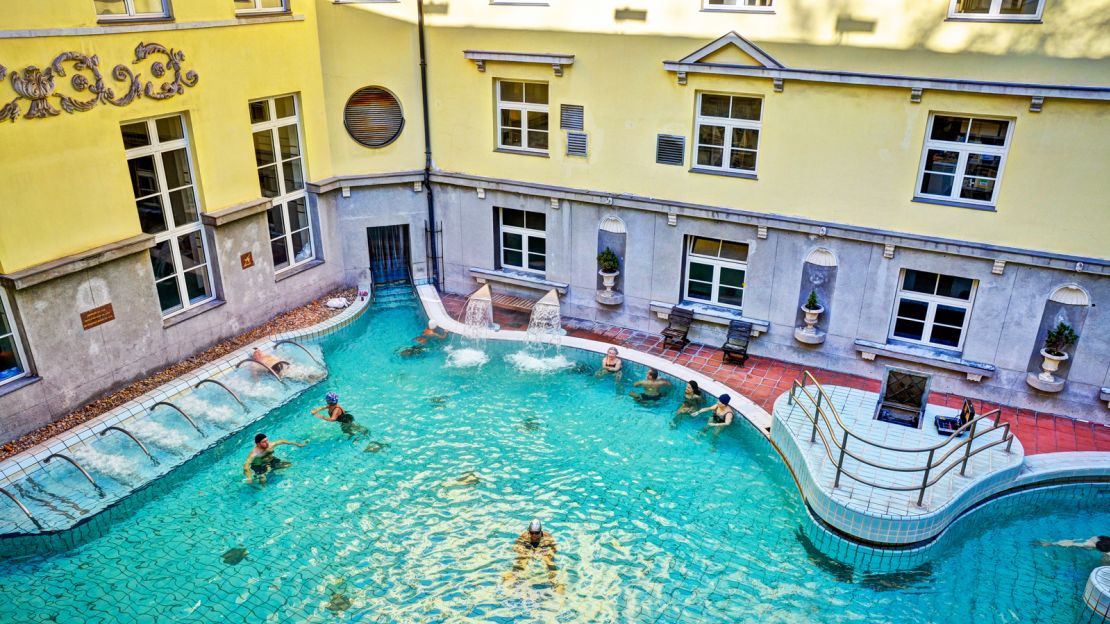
(840, 460)
(967, 449)
(925, 479)
(790, 398)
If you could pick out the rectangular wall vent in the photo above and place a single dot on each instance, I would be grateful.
(572, 117)
(576, 144)
(670, 149)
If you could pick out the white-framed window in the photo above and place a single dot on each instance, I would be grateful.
(275, 124)
(13, 362)
(727, 132)
(126, 9)
(160, 164)
(523, 239)
(963, 158)
(932, 309)
(261, 6)
(716, 271)
(522, 116)
(760, 6)
(995, 10)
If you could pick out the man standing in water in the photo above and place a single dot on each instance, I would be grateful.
(262, 460)
(535, 542)
(433, 331)
(652, 387)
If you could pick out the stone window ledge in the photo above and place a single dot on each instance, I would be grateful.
(1104, 395)
(181, 317)
(297, 270)
(516, 279)
(975, 371)
(19, 384)
(710, 314)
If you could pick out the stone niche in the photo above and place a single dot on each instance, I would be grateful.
(819, 275)
(1068, 304)
(611, 233)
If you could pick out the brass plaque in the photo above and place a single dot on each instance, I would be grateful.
(97, 316)
(247, 260)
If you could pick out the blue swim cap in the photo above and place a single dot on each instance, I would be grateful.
(724, 399)
(331, 398)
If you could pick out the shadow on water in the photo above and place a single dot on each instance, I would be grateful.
(920, 576)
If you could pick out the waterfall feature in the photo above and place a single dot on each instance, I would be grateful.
(541, 351)
(478, 322)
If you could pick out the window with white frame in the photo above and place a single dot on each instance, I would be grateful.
(123, 9)
(277, 151)
(523, 239)
(12, 361)
(739, 5)
(160, 164)
(522, 116)
(932, 309)
(1015, 10)
(727, 132)
(261, 6)
(716, 271)
(963, 158)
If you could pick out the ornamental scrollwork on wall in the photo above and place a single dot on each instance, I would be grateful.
(87, 89)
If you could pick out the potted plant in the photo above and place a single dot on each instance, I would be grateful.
(1059, 338)
(813, 310)
(609, 265)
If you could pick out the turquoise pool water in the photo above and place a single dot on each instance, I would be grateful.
(654, 522)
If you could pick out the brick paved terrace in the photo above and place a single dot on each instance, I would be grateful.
(764, 379)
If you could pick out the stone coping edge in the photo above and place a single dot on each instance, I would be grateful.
(30, 460)
(754, 414)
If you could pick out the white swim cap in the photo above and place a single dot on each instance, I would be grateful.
(535, 526)
(432, 324)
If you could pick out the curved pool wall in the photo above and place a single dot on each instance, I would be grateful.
(28, 464)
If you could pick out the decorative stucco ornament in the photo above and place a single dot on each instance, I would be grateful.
(38, 88)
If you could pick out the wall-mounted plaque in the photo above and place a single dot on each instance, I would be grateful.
(97, 316)
(246, 260)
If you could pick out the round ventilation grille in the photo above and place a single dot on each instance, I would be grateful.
(373, 117)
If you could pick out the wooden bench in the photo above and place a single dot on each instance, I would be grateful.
(678, 326)
(516, 304)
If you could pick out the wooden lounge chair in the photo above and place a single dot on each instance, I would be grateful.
(736, 344)
(674, 335)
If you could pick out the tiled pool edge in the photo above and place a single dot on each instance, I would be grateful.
(31, 459)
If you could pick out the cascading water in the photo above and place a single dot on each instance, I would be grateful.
(541, 351)
(478, 323)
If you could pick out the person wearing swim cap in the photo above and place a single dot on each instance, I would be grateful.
(262, 460)
(337, 414)
(432, 331)
(535, 542)
(1100, 543)
(722, 412)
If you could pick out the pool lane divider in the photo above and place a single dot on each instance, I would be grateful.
(31, 460)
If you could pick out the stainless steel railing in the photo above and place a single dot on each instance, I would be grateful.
(22, 507)
(835, 437)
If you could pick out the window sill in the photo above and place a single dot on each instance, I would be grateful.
(127, 19)
(955, 204)
(181, 317)
(727, 9)
(929, 356)
(516, 279)
(506, 150)
(727, 174)
(993, 19)
(263, 13)
(710, 314)
(1103, 395)
(285, 274)
(18, 384)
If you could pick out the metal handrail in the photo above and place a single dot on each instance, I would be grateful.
(133, 439)
(78, 467)
(179, 411)
(229, 390)
(268, 369)
(302, 348)
(22, 507)
(819, 417)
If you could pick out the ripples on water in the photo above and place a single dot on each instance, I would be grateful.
(653, 523)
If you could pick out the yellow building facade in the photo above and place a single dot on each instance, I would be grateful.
(860, 150)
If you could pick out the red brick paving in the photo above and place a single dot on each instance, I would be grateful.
(763, 380)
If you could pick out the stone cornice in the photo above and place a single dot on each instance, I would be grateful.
(236, 212)
(73, 263)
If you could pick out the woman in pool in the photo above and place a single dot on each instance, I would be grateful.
(337, 414)
(722, 412)
(692, 400)
(611, 364)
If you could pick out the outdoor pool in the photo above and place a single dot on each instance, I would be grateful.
(414, 522)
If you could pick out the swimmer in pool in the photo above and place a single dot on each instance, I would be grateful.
(270, 361)
(1101, 543)
(722, 412)
(652, 387)
(337, 414)
(611, 364)
(432, 331)
(534, 543)
(262, 460)
(692, 400)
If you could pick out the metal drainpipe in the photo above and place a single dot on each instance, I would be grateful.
(434, 252)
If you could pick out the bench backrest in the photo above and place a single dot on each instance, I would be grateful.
(680, 317)
(739, 332)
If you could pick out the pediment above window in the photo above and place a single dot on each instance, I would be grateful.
(732, 49)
